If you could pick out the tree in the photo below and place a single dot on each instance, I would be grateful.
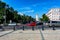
(44, 18)
(15, 16)
(12, 14)
(2, 9)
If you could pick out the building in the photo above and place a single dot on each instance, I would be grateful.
(37, 18)
(54, 14)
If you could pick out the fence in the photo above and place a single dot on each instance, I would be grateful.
(23, 27)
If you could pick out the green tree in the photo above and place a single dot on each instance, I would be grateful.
(2, 9)
(12, 14)
(44, 18)
(15, 16)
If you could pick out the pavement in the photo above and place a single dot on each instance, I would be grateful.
(3, 33)
(51, 34)
(32, 35)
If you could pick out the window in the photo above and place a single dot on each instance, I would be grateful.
(54, 21)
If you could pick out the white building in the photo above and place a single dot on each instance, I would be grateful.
(54, 14)
(37, 18)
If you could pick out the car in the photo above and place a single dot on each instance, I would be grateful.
(34, 24)
(53, 23)
(31, 24)
(39, 23)
(12, 24)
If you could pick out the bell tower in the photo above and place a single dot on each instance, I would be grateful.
(37, 18)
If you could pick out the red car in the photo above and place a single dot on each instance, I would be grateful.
(31, 24)
(34, 24)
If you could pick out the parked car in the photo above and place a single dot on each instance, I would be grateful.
(31, 24)
(39, 23)
(34, 24)
(53, 23)
(12, 24)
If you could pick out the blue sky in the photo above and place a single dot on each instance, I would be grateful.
(33, 7)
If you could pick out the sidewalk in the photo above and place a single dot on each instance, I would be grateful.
(32, 35)
(51, 34)
(2, 33)
(23, 35)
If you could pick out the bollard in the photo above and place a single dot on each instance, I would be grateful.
(14, 28)
(33, 28)
(42, 27)
(23, 28)
(53, 27)
(2, 28)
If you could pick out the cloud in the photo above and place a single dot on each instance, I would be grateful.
(28, 11)
(25, 8)
(35, 5)
(20, 13)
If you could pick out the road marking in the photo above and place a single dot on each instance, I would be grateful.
(42, 35)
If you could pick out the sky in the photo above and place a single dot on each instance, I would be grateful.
(33, 7)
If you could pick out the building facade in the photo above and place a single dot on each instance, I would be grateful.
(37, 18)
(54, 14)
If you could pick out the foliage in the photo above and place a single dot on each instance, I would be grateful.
(44, 18)
(12, 14)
